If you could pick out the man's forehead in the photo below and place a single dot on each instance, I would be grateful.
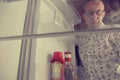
(94, 5)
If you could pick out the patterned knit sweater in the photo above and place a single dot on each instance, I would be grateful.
(100, 55)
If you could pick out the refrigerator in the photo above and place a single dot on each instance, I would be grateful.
(32, 30)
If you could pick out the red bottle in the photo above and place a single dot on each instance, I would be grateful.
(69, 72)
(57, 66)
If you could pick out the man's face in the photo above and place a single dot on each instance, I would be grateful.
(94, 13)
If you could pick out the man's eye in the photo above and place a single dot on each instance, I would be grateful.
(90, 13)
(98, 11)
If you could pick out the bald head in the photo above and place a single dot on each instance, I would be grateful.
(94, 4)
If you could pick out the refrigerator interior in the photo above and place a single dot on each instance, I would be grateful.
(37, 30)
(62, 18)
